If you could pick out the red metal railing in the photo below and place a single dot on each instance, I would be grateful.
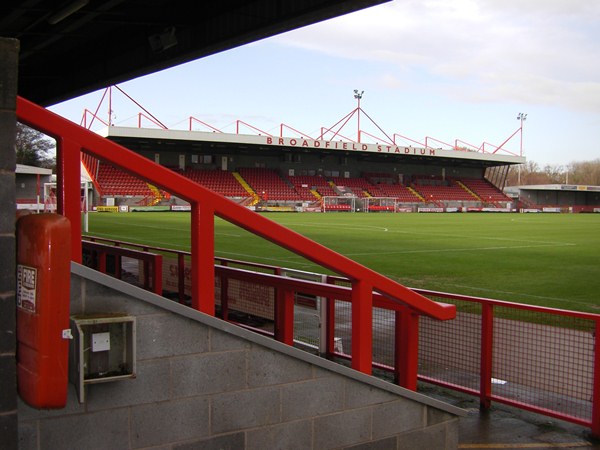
(534, 358)
(99, 254)
(73, 139)
(273, 294)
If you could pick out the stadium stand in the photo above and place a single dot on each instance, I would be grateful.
(113, 181)
(269, 185)
(358, 186)
(220, 181)
(389, 186)
(485, 190)
(434, 188)
(305, 184)
(399, 192)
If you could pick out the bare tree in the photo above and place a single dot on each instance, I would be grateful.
(585, 172)
(34, 148)
(554, 174)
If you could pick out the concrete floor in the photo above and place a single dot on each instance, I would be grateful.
(505, 427)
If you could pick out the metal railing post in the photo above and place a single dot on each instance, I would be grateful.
(203, 256)
(69, 190)
(362, 326)
(224, 295)
(323, 308)
(330, 324)
(596, 388)
(181, 277)
(487, 347)
(407, 348)
(284, 317)
(157, 281)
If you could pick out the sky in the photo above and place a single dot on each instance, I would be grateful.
(460, 70)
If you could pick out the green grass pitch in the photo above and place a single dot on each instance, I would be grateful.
(543, 259)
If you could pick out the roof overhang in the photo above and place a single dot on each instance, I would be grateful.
(560, 187)
(73, 47)
(259, 142)
(23, 169)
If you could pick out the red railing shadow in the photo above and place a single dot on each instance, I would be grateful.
(73, 140)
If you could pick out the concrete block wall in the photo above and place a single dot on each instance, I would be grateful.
(204, 383)
(9, 52)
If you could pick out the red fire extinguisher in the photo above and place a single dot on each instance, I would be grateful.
(43, 299)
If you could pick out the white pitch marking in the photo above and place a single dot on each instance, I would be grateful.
(428, 233)
(470, 249)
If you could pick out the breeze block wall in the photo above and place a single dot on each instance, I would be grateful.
(9, 55)
(204, 383)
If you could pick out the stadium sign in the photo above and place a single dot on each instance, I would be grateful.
(345, 145)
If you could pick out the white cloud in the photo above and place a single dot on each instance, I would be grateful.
(544, 52)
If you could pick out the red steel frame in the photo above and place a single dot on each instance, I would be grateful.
(73, 139)
(324, 130)
(151, 261)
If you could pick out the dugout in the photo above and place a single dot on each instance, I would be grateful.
(558, 197)
(29, 186)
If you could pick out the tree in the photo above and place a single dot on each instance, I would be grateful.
(585, 172)
(34, 148)
(555, 174)
(582, 172)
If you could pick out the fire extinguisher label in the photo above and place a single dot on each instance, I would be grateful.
(26, 287)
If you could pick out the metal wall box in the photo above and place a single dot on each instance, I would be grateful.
(102, 350)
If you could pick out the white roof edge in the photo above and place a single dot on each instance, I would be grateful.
(559, 187)
(32, 170)
(307, 143)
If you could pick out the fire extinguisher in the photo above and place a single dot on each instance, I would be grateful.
(43, 300)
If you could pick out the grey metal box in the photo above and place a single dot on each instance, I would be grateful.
(102, 350)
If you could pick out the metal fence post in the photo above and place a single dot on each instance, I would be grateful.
(407, 348)
(181, 277)
(487, 346)
(596, 388)
(69, 190)
(284, 317)
(203, 257)
(362, 326)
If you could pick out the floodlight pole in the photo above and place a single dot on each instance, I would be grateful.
(109, 106)
(358, 96)
(521, 117)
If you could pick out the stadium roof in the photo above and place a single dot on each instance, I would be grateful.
(32, 170)
(189, 141)
(72, 47)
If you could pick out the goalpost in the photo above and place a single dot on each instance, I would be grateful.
(356, 204)
(380, 204)
(339, 204)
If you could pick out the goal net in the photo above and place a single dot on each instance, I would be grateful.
(339, 204)
(380, 204)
